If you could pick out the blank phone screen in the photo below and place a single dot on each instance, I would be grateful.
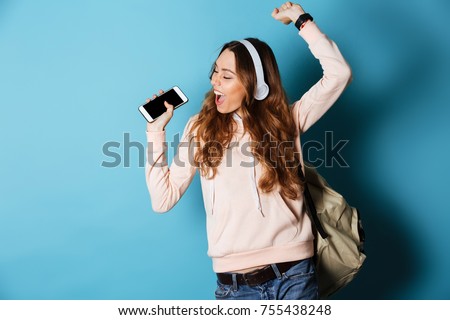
(156, 107)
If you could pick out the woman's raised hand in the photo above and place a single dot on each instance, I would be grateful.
(160, 123)
(288, 12)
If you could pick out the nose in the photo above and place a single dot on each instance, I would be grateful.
(215, 80)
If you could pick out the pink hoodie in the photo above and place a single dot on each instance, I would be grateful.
(246, 227)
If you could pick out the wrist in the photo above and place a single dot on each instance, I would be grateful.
(298, 11)
(294, 15)
(151, 128)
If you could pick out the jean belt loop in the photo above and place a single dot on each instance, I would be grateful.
(235, 284)
(275, 269)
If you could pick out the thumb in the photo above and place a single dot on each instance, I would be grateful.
(275, 12)
(169, 107)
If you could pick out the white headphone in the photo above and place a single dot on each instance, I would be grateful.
(262, 89)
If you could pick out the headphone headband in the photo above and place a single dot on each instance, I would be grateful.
(262, 89)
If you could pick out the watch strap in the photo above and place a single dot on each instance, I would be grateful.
(302, 20)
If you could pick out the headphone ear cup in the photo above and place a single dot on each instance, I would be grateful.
(262, 91)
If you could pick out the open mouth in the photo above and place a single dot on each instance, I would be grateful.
(220, 97)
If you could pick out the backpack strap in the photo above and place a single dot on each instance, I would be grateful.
(309, 205)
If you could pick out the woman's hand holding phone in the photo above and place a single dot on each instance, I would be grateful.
(160, 123)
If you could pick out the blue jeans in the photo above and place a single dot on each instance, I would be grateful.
(298, 283)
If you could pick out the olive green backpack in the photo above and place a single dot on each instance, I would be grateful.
(340, 236)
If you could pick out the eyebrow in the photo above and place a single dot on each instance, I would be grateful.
(224, 69)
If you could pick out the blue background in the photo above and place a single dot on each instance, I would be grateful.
(73, 73)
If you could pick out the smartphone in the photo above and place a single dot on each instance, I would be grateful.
(154, 108)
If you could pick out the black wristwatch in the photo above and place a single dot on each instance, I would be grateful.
(302, 19)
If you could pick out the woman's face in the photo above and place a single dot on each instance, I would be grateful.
(228, 88)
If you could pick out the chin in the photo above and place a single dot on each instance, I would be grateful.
(222, 110)
(225, 110)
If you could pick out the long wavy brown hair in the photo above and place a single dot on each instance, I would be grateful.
(269, 123)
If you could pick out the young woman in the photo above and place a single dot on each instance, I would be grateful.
(246, 144)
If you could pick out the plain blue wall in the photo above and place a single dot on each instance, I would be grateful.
(72, 75)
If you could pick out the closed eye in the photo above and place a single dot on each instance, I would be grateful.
(225, 77)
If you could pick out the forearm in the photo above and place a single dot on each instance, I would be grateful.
(335, 68)
(166, 186)
(156, 170)
(336, 76)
